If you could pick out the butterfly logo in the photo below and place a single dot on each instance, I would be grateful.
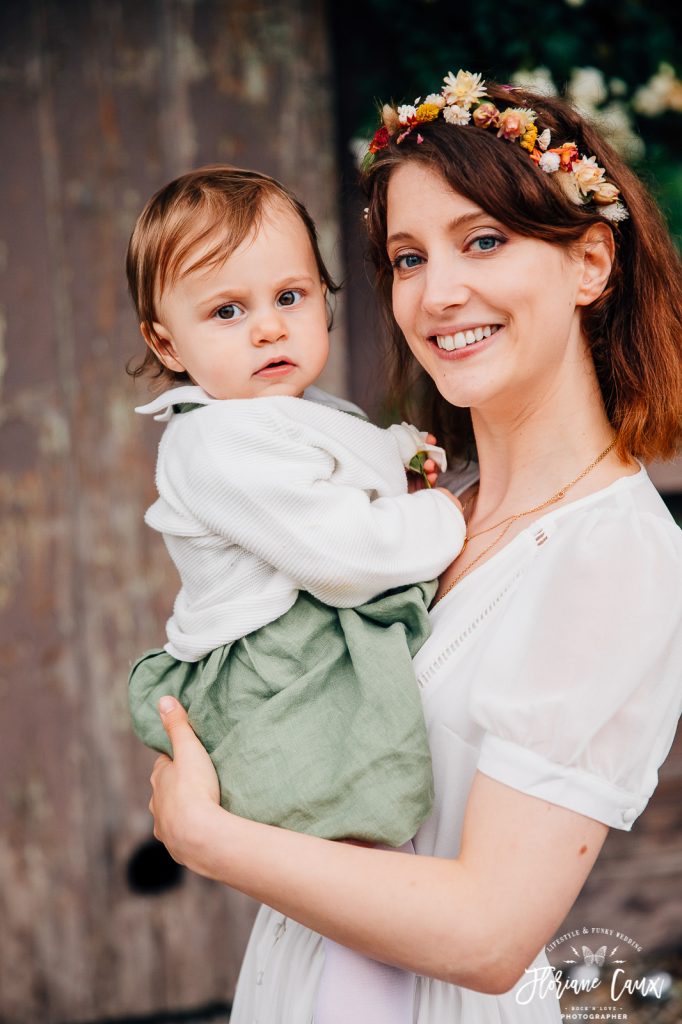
(597, 958)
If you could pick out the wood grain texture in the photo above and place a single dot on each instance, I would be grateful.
(101, 102)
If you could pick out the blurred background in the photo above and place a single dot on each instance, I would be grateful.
(102, 102)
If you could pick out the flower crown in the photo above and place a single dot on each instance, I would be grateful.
(463, 99)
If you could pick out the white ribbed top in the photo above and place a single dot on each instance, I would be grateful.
(260, 498)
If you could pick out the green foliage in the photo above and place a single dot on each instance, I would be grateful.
(399, 49)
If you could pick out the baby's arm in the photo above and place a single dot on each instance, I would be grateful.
(261, 488)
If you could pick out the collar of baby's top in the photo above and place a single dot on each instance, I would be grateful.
(161, 407)
(175, 400)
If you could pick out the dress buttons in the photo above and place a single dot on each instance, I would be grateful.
(629, 814)
(259, 977)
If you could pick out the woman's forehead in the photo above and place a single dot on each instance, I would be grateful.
(417, 192)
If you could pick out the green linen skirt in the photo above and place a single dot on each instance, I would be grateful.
(314, 721)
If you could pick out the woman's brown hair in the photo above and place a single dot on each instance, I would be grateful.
(634, 329)
(219, 204)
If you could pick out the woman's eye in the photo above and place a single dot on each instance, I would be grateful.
(486, 243)
(407, 261)
(229, 312)
(291, 297)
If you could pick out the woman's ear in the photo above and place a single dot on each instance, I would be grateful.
(596, 254)
(161, 344)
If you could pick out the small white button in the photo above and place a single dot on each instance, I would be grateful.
(629, 814)
(259, 977)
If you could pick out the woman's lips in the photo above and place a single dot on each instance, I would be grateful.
(469, 349)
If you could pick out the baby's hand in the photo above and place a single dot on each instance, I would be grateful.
(451, 496)
(426, 473)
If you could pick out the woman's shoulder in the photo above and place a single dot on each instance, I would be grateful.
(627, 516)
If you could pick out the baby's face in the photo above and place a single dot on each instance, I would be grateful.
(254, 325)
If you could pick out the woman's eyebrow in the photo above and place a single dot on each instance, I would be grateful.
(453, 225)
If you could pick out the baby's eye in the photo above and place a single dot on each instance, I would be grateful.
(486, 243)
(231, 311)
(407, 261)
(291, 297)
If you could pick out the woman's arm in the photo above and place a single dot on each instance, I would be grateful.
(477, 920)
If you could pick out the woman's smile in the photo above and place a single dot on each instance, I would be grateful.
(460, 342)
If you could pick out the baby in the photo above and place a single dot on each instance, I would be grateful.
(302, 556)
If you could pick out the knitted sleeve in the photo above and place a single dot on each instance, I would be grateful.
(278, 489)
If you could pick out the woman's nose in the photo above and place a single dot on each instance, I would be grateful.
(444, 287)
(267, 327)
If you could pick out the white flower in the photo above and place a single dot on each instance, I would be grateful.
(535, 80)
(543, 140)
(436, 99)
(618, 87)
(359, 149)
(587, 88)
(464, 89)
(411, 441)
(456, 115)
(614, 122)
(406, 112)
(549, 162)
(662, 92)
(615, 212)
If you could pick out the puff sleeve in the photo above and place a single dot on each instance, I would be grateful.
(579, 690)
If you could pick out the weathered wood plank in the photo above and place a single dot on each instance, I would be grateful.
(100, 103)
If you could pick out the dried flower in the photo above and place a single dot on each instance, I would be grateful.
(567, 154)
(456, 115)
(427, 112)
(605, 193)
(389, 118)
(615, 212)
(463, 89)
(436, 98)
(544, 139)
(529, 137)
(549, 162)
(380, 141)
(588, 174)
(486, 116)
(406, 113)
(514, 121)
(583, 181)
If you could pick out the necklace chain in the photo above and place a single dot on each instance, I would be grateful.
(509, 521)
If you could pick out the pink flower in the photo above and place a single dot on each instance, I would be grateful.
(486, 116)
(514, 121)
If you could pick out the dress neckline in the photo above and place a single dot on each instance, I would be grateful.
(528, 534)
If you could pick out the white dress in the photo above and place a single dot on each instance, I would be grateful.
(555, 668)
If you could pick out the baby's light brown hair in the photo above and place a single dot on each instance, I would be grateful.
(220, 203)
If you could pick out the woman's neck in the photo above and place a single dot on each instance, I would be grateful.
(525, 458)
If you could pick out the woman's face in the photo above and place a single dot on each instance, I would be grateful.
(490, 315)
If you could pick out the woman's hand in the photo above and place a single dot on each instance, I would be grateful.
(185, 790)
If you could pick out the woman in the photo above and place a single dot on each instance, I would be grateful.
(535, 285)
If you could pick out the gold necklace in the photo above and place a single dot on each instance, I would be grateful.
(510, 520)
